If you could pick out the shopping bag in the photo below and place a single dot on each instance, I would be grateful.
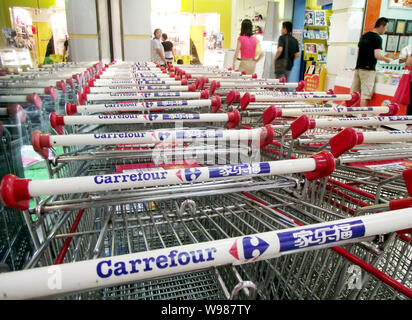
(402, 94)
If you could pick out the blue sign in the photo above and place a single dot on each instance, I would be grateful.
(309, 237)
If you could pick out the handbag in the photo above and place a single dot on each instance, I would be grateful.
(402, 94)
(282, 64)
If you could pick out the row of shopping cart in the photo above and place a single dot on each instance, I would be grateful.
(195, 182)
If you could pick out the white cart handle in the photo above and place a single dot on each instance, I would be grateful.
(255, 84)
(16, 192)
(145, 88)
(43, 141)
(122, 83)
(83, 97)
(215, 104)
(304, 123)
(274, 112)
(130, 268)
(57, 121)
(350, 99)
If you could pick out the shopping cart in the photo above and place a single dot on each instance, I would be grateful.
(15, 242)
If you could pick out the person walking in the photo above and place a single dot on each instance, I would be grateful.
(157, 50)
(286, 53)
(168, 48)
(369, 52)
(249, 48)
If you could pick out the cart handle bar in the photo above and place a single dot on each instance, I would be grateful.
(274, 112)
(41, 142)
(72, 109)
(16, 192)
(82, 96)
(57, 121)
(129, 268)
(351, 99)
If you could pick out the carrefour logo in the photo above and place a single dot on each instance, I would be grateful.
(150, 117)
(190, 174)
(248, 248)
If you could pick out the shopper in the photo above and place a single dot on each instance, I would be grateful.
(249, 48)
(157, 51)
(168, 48)
(287, 52)
(369, 52)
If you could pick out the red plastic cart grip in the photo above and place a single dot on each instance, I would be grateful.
(61, 86)
(184, 82)
(35, 99)
(70, 82)
(254, 76)
(232, 97)
(204, 94)
(81, 98)
(246, 99)
(216, 104)
(70, 108)
(243, 72)
(325, 165)
(355, 99)
(90, 83)
(301, 86)
(192, 87)
(205, 80)
(282, 79)
(17, 110)
(51, 91)
(407, 177)
(57, 122)
(393, 110)
(188, 76)
(41, 143)
(15, 192)
(197, 82)
(233, 119)
(271, 114)
(267, 135)
(400, 204)
(344, 141)
(213, 86)
(301, 125)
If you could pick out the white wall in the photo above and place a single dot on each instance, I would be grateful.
(344, 33)
(82, 29)
(137, 29)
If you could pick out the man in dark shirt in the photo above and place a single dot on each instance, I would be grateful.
(286, 43)
(168, 46)
(369, 52)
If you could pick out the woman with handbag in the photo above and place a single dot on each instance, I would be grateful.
(249, 48)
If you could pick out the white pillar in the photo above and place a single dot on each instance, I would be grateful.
(136, 29)
(82, 28)
(344, 33)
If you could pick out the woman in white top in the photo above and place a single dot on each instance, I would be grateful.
(157, 52)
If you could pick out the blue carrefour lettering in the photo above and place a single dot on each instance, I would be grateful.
(175, 258)
(106, 272)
